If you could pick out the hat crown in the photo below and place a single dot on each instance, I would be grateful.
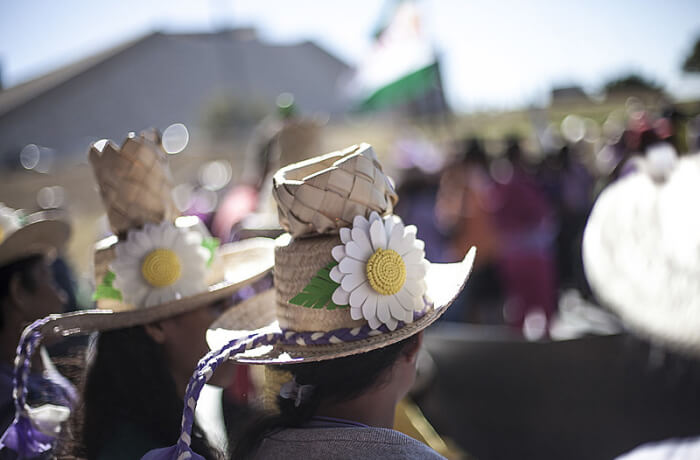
(324, 194)
(134, 181)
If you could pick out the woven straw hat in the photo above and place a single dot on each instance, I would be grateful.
(349, 277)
(158, 265)
(23, 236)
(641, 251)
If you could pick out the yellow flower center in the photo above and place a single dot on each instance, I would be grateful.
(386, 271)
(161, 268)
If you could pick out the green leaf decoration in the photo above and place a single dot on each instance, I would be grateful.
(106, 290)
(210, 244)
(319, 292)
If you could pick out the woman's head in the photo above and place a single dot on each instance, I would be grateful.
(344, 379)
(341, 381)
(129, 381)
(182, 339)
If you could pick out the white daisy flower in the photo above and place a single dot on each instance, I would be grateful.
(160, 263)
(9, 222)
(381, 270)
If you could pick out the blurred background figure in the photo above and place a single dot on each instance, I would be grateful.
(29, 291)
(466, 208)
(526, 231)
(282, 138)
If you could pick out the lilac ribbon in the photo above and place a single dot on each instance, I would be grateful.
(22, 436)
(205, 369)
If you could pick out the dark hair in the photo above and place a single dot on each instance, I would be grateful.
(129, 382)
(334, 380)
(21, 268)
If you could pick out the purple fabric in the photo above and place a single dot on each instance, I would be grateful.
(24, 439)
(22, 436)
(167, 453)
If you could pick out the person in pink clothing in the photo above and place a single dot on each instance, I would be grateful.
(526, 231)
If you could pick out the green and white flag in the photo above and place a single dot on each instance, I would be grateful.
(400, 67)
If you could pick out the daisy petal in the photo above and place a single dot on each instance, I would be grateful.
(373, 216)
(378, 235)
(408, 316)
(415, 287)
(416, 271)
(345, 235)
(369, 308)
(390, 222)
(357, 252)
(396, 235)
(374, 322)
(360, 223)
(351, 281)
(356, 313)
(360, 237)
(349, 265)
(413, 256)
(383, 309)
(336, 275)
(405, 299)
(338, 252)
(340, 296)
(419, 244)
(142, 241)
(391, 324)
(395, 308)
(405, 243)
(359, 295)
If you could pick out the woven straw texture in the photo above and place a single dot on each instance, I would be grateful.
(134, 181)
(295, 265)
(324, 194)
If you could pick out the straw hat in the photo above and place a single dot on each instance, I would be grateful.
(349, 277)
(24, 236)
(158, 265)
(641, 250)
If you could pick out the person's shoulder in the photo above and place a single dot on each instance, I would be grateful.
(351, 442)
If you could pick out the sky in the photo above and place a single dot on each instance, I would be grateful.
(497, 54)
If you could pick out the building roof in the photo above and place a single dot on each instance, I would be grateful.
(160, 79)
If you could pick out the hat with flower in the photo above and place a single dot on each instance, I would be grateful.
(23, 235)
(349, 277)
(158, 264)
(155, 266)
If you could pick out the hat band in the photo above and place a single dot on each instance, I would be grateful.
(342, 335)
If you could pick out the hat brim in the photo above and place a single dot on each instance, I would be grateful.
(36, 238)
(249, 261)
(444, 281)
(639, 255)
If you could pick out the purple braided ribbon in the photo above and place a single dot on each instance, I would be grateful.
(22, 436)
(205, 369)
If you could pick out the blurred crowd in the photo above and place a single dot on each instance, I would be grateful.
(524, 204)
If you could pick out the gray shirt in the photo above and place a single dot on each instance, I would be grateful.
(339, 443)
